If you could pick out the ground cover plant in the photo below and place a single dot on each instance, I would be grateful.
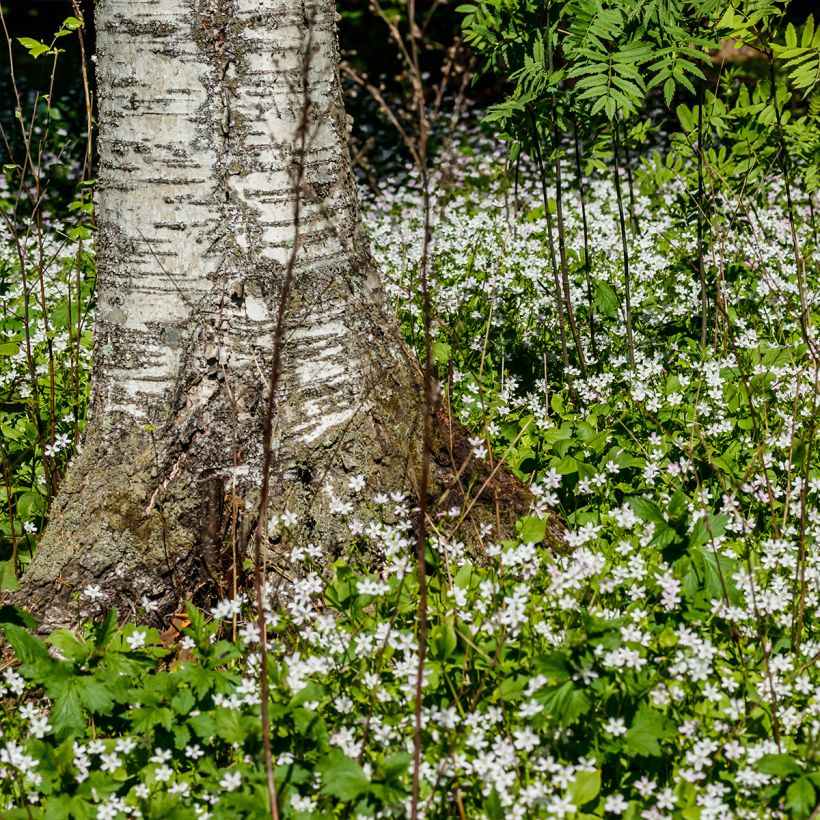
(662, 660)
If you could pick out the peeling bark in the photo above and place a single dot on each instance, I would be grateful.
(200, 105)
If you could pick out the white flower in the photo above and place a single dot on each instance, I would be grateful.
(552, 480)
(39, 726)
(227, 608)
(479, 448)
(148, 605)
(615, 804)
(367, 586)
(136, 640)
(160, 755)
(93, 592)
(615, 726)
(61, 441)
(356, 483)
(110, 762)
(250, 633)
(163, 774)
(125, 745)
(231, 781)
(194, 752)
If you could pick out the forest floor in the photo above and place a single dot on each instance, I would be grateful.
(663, 663)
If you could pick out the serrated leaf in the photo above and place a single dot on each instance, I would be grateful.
(396, 765)
(26, 647)
(66, 714)
(342, 777)
(801, 797)
(96, 695)
(808, 32)
(565, 703)
(646, 510)
(554, 665)
(648, 727)
(34, 47)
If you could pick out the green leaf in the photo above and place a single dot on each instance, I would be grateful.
(96, 695)
(68, 645)
(146, 719)
(565, 703)
(11, 614)
(663, 536)
(26, 647)
(567, 465)
(8, 580)
(554, 665)
(34, 47)
(585, 787)
(444, 640)
(779, 765)
(606, 300)
(105, 630)
(342, 777)
(704, 531)
(442, 352)
(648, 727)
(67, 714)
(396, 765)
(533, 529)
(801, 797)
(646, 510)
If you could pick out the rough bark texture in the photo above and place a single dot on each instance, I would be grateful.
(201, 148)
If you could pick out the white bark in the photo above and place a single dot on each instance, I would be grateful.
(200, 112)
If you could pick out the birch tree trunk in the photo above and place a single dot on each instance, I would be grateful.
(223, 170)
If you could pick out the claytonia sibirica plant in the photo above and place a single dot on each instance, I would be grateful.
(659, 662)
(644, 647)
(642, 670)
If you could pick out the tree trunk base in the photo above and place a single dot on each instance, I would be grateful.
(122, 535)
